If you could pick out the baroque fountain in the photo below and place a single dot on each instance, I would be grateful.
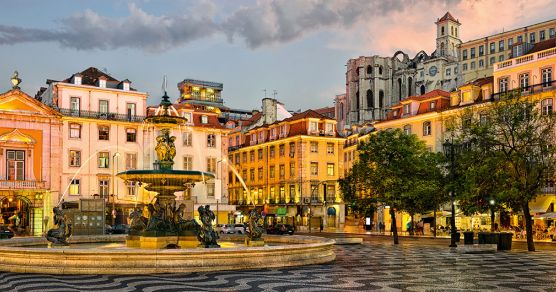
(166, 241)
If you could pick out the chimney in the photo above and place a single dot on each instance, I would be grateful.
(269, 111)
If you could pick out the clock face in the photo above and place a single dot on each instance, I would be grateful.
(433, 70)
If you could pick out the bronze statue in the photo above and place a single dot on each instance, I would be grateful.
(156, 217)
(207, 236)
(137, 221)
(255, 230)
(182, 224)
(165, 147)
(59, 236)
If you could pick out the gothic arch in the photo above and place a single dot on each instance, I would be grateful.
(405, 57)
(370, 99)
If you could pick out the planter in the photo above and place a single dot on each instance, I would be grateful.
(505, 241)
(468, 237)
(488, 237)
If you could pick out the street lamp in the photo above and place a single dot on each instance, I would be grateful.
(223, 160)
(491, 203)
(114, 166)
(450, 150)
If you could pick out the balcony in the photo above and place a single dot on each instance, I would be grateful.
(21, 184)
(531, 89)
(101, 115)
(518, 61)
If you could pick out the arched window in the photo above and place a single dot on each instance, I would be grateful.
(409, 86)
(442, 30)
(407, 129)
(456, 32)
(546, 106)
(400, 88)
(441, 49)
(422, 89)
(427, 128)
(369, 70)
(379, 70)
(357, 100)
(381, 99)
(370, 99)
(341, 111)
(452, 30)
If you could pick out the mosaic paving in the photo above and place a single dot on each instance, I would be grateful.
(368, 267)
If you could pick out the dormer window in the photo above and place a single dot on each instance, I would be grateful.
(204, 119)
(313, 127)
(433, 105)
(253, 138)
(261, 136)
(273, 133)
(126, 86)
(77, 80)
(329, 128)
(187, 116)
(406, 109)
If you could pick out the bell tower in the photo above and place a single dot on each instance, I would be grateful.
(447, 36)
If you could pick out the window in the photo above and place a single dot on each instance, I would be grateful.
(271, 150)
(211, 140)
(187, 138)
(481, 63)
(379, 70)
(464, 67)
(261, 136)
(541, 35)
(510, 42)
(492, 60)
(74, 187)
(103, 107)
(329, 128)
(330, 169)
(330, 148)
(260, 173)
(187, 116)
(464, 54)
(204, 119)
(244, 157)
(253, 138)
(448, 72)
(252, 174)
(273, 133)
(75, 158)
(210, 190)
(292, 169)
(472, 65)
(552, 33)
(503, 84)
(314, 192)
(442, 30)
(546, 77)
(500, 58)
(211, 164)
(501, 45)
(103, 186)
(432, 105)
(314, 168)
(104, 133)
(427, 128)
(292, 149)
(292, 193)
(313, 127)
(532, 37)
(524, 82)
(188, 162)
(75, 106)
(406, 109)
(131, 135)
(131, 111)
(472, 50)
(369, 69)
(260, 154)
(237, 158)
(546, 106)
(330, 193)
(132, 187)
(314, 147)
(271, 171)
(16, 164)
(75, 131)
(407, 129)
(252, 155)
(282, 130)
(131, 160)
(492, 48)
(282, 149)
(282, 171)
(103, 159)
(519, 39)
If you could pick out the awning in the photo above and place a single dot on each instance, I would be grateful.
(541, 204)
(551, 215)
(331, 211)
(282, 211)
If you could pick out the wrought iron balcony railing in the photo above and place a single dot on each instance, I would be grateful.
(21, 184)
(101, 115)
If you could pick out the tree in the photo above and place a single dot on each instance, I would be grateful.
(355, 192)
(399, 172)
(512, 153)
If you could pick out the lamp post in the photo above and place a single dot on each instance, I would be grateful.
(491, 203)
(114, 166)
(223, 160)
(450, 151)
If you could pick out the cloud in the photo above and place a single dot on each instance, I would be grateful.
(360, 25)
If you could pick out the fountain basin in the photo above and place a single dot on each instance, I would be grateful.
(18, 255)
(165, 180)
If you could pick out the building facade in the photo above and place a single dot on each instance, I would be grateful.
(30, 148)
(290, 169)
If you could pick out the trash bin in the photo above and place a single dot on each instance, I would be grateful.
(468, 237)
(488, 237)
(505, 241)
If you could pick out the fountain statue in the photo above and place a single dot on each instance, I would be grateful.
(59, 235)
(207, 235)
(166, 224)
(255, 232)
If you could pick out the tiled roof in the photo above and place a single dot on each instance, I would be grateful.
(306, 114)
(430, 94)
(481, 81)
(447, 16)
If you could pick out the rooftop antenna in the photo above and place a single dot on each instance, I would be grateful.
(274, 93)
(264, 92)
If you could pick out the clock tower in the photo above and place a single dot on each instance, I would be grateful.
(447, 36)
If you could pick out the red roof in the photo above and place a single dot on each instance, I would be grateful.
(430, 94)
(448, 16)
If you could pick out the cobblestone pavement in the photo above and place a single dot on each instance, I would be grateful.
(370, 266)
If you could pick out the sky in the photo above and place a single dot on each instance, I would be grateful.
(297, 47)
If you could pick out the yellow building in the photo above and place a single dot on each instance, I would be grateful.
(290, 169)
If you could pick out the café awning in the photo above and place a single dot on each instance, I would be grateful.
(541, 204)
